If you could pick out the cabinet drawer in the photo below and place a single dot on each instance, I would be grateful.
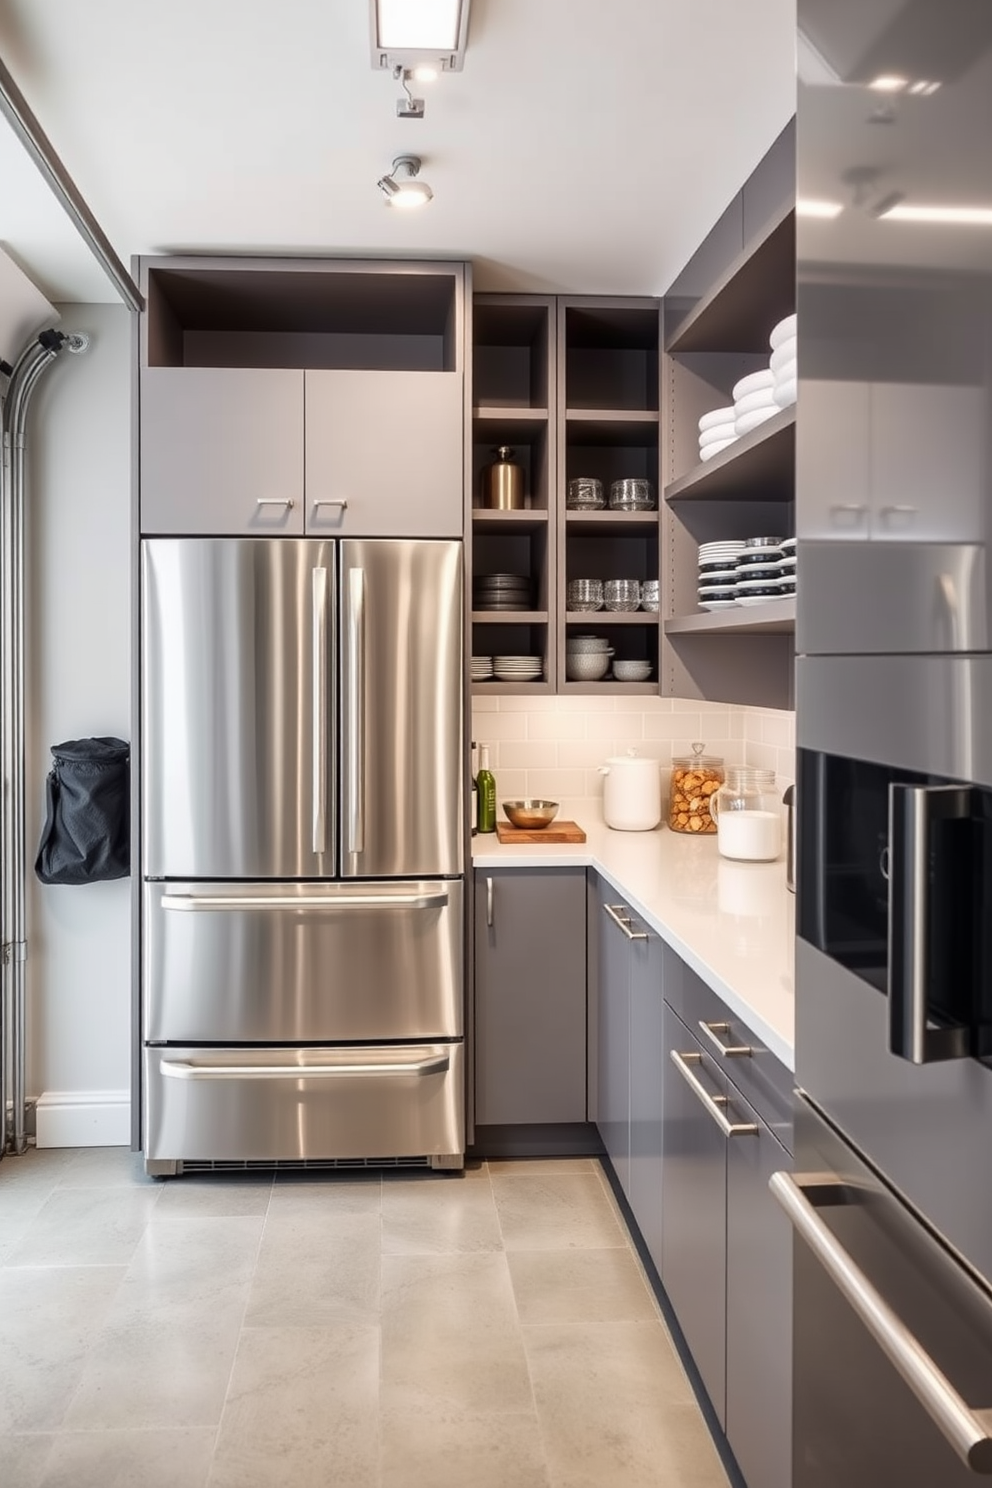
(279, 1104)
(760, 1077)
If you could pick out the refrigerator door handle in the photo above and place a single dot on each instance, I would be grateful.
(913, 812)
(356, 710)
(319, 700)
(188, 1069)
(968, 1431)
(195, 903)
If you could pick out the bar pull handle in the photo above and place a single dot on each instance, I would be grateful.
(356, 709)
(716, 1105)
(619, 916)
(489, 903)
(713, 1032)
(914, 811)
(331, 501)
(319, 701)
(966, 1430)
(196, 903)
(285, 501)
(187, 1069)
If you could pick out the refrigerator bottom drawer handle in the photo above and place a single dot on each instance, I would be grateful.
(186, 1069)
(197, 903)
(968, 1431)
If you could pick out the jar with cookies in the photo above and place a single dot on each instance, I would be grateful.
(695, 781)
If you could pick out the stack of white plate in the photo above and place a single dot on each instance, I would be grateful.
(784, 366)
(517, 668)
(718, 574)
(754, 401)
(482, 668)
(716, 431)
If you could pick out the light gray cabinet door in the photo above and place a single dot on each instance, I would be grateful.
(613, 1096)
(759, 1308)
(694, 1208)
(530, 996)
(384, 453)
(221, 451)
(647, 1074)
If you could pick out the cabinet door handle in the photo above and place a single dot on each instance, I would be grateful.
(619, 917)
(729, 1051)
(716, 1105)
(489, 903)
(968, 1431)
(331, 501)
(285, 501)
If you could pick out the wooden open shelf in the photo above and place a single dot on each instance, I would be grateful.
(759, 465)
(777, 617)
(486, 519)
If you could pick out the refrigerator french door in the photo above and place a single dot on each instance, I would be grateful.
(302, 903)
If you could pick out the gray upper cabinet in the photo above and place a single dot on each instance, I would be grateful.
(221, 451)
(384, 453)
(530, 997)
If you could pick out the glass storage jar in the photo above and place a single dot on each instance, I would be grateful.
(748, 820)
(695, 780)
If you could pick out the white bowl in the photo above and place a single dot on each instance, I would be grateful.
(632, 671)
(587, 668)
(755, 382)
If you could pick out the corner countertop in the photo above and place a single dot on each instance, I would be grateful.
(733, 923)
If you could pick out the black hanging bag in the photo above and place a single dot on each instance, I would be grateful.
(86, 836)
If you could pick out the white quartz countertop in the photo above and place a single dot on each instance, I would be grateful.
(733, 923)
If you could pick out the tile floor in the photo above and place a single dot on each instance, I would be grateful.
(325, 1331)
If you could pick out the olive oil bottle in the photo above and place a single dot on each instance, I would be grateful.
(486, 787)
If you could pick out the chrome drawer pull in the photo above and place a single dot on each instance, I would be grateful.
(716, 1105)
(342, 505)
(619, 917)
(195, 903)
(185, 1069)
(729, 1051)
(285, 501)
(968, 1431)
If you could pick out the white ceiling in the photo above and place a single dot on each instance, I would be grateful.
(586, 147)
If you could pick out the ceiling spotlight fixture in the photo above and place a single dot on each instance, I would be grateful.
(419, 33)
(402, 188)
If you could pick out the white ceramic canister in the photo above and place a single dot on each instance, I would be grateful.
(631, 793)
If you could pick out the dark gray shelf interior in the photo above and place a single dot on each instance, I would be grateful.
(755, 292)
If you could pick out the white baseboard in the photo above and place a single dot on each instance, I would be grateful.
(84, 1118)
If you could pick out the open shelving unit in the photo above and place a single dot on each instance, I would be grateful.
(717, 318)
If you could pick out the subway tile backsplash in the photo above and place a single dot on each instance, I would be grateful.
(552, 746)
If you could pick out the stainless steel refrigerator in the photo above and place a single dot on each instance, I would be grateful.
(892, 1195)
(302, 851)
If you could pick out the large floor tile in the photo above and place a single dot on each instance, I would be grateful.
(556, 1212)
(539, 1167)
(450, 1336)
(106, 1167)
(85, 1227)
(428, 1216)
(615, 1407)
(129, 1459)
(23, 1458)
(302, 1410)
(315, 1270)
(194, 1261)
(316, 1192)
(214, 1195)
(579, 1286)
(462, 1451)
(48, 1318)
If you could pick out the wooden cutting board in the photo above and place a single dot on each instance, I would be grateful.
(559, 831)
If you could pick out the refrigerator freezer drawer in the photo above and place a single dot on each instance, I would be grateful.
(285, 1104)
(302, 963)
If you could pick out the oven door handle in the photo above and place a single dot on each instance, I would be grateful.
(188, 1069)
(966, 1430)
(914, 810)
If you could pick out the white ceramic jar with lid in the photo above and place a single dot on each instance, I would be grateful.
(748, 820)
(631, 793)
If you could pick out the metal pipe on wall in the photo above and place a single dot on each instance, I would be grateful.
(13, 669)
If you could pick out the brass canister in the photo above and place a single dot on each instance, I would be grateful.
(503, 482)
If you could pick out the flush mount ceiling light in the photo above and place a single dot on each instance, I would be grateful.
(402, 188)
(808, 207)
(903, 211)
(419, 34)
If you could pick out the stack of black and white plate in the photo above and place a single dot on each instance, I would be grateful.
(502, 592)
(718, 574)
(760, 572)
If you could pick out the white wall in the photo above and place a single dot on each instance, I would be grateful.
(78, 969)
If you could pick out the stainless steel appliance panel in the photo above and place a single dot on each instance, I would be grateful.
(892, 1336)
(280, 1104)
(401, 685)
(263, 962)
(238, 640)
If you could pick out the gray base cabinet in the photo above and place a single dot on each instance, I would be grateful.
(613, 1036)
(530, 996)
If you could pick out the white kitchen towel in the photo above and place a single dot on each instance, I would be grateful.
(782, 354)
(785, 393)
(754, 382)
(718, 432)
(751, 402)
(749, 421)
(714, 417)
(782, 332)
(788, 372)
(714, 449)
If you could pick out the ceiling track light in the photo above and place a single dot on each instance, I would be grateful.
(407, 107)
(402, 187)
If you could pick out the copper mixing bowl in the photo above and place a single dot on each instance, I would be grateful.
(531, 814)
